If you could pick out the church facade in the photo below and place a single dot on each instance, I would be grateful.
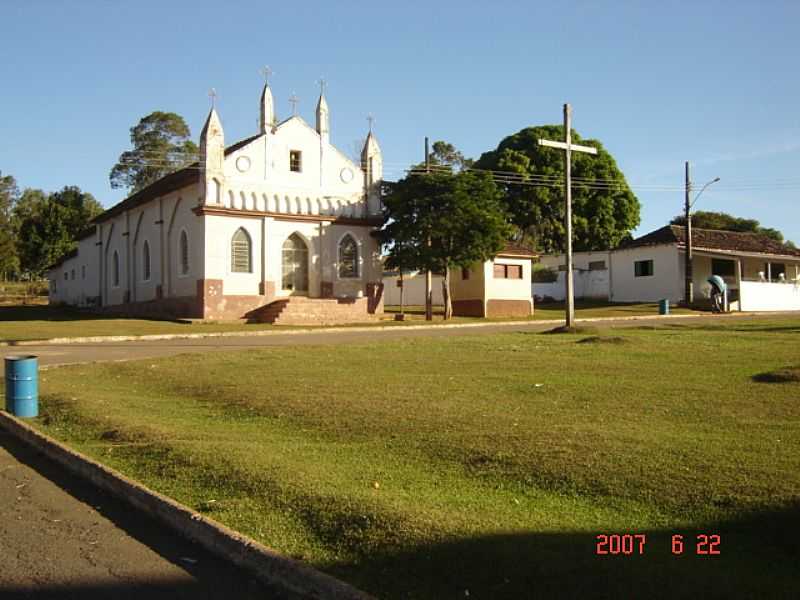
(276, 224)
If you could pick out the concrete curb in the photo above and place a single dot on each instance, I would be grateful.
(261, 333)
(294, 578)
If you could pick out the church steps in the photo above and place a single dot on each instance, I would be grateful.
(300, 310)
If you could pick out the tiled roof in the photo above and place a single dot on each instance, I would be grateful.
(713, 239)
(512, 249)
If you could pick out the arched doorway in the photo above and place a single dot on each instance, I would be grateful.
(295, 265)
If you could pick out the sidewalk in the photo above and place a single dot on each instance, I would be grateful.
(62, 538)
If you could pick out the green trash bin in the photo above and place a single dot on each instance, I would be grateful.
(663, 307)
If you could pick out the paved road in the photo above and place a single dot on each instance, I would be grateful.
(57, 354)
(61, 538)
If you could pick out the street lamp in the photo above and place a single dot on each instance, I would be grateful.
(689, 292)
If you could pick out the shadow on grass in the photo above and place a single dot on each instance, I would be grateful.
(758, 559)
(785, 375)
(61, 314)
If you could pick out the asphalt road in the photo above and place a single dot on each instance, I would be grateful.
(59, 354)
(61, 538)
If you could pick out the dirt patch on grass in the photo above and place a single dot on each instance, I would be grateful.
(786, 375)
(604, 339)
(574, 329)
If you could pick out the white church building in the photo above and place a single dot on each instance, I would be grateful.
(274, 228)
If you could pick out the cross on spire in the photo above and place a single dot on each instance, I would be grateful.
(322, 85)
(293, 100)
(371, 121)
(212, 93)
(266, 72)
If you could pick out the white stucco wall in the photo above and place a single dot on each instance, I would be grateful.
(761, 296)
(508, 289)
(594, 284)
(666, 281)
(414, 289)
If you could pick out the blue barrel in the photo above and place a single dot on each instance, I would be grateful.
(663, 307)
(22, 385)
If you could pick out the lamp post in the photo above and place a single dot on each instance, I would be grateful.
(689, 291)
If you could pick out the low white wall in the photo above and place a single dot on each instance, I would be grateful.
(414, 289)
(758, 295)
(589, 283)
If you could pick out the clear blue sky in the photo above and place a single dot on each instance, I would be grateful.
(715, 83)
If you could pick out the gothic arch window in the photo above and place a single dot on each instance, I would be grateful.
(115, 269)
(348, 257)
(241, 252)
(230, 200)
(216, 190)
(146, 261)
(183, 253)
(288, 207)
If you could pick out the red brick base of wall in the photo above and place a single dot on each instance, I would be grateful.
(509, 308)
(468, 308)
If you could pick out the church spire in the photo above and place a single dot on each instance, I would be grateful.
(212, 157)
(323, 114)
(372, 165)
(267, 109)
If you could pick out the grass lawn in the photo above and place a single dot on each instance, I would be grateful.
(433, 467)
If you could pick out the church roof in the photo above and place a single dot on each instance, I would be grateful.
(169, 183)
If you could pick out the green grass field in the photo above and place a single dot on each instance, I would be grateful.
(483, 466)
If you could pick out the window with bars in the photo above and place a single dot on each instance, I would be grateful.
(295, 161)
(241, 255)
(348, 257)
(506, 271)
(183, 255)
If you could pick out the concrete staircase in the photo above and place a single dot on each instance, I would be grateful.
(300, 310)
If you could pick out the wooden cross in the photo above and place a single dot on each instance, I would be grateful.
(293, 100)
(568, 147)
(266, 72)
(212, 93)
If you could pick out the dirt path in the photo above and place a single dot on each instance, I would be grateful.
(61, 538)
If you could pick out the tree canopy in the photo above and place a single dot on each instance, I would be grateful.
(719, 220)
(442, 220)
(161, 145)
(47, 225)
(604, 208)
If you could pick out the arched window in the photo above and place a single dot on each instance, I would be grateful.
(240, 252)
(348, 257)
(115, 269)
(146, 261)
(183, 253)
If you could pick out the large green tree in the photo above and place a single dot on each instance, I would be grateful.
(605, 210)
(161, 145)
(719, 220)
(9, 194)
(47, 225)
(443, 220)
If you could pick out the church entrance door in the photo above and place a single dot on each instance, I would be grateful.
(295, 265)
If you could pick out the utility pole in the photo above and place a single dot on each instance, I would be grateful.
(689, 290)
(428, 278)
(568, 146)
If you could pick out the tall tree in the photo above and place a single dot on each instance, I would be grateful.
(604, 209)
(443, 220)
(47, 225)
(719, 220)
(161, 145)
(9, 194)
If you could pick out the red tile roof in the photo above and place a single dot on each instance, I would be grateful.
(713, 239)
